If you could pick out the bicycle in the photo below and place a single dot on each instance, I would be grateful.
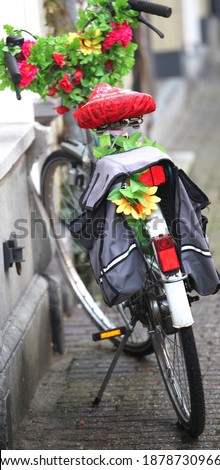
(174, 347)
(162, 306)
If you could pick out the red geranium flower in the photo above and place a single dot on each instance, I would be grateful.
(28, 73)
(62, 109)
(77, 77)
(65, 84)
(59, 59)
(120, 33)
(52, 91)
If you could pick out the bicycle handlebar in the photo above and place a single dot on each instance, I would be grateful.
(152, 8)
(14, 72)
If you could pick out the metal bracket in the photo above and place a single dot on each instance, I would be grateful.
(13, 253)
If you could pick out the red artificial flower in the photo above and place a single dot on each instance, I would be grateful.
(28, 73)
(52, 91)
(120, 33)
(65, 84)
(123, 32)
(77, 77)
(58, 58)
(62, 109)
(109, 65)
(26, 48)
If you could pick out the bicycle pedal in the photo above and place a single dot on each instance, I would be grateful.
(121, 331)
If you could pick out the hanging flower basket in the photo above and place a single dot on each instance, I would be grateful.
(71, 65)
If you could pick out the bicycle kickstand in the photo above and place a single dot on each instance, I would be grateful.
(126, 331)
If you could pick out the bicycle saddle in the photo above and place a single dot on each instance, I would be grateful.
(108, 104)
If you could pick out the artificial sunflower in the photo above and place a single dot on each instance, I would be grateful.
(151, 199)
(92, 45)
(135, 208)
(125, 208)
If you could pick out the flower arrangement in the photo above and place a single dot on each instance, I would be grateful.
(136, 199)
(71, 65)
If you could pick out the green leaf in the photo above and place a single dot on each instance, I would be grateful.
(133, 139)
(9, 29)
(100, 152)
(119, 141)
(114, 194)
(136, 176)
(127, 145)
(140, 231)
(130, 142)
(13, 50)
(143, 188)
(105, 140)
(127, 192)
(141, 199)
(134, 186)
(153, 144)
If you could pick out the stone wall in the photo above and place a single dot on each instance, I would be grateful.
(25, 314)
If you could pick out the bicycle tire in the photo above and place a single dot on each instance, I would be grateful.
(56, 188)
(178, 360)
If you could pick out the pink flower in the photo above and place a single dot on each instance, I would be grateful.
(77, 77)
(62, 109)
(58, 58)
(65, 84)
(120, 33)
(28, 73)
(26, 48)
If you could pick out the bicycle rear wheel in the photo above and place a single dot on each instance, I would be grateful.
(63, 179)
(177, 358)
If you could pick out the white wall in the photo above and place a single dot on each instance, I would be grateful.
(191, 25)
(22, 14)
(27, 14)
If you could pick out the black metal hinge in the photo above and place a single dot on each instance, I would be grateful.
(13, 253)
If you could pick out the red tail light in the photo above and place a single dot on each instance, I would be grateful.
(166, 252)
(154, 176)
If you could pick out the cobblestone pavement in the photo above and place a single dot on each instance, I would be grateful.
(135, 412)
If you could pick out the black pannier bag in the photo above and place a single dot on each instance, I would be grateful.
(116, 259)
(117, 262)
(193, 242)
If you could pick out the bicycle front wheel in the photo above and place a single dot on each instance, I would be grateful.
(63, 179)
(177, 358)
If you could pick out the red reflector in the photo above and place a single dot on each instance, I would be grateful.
(166, 253)
(154, 176)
